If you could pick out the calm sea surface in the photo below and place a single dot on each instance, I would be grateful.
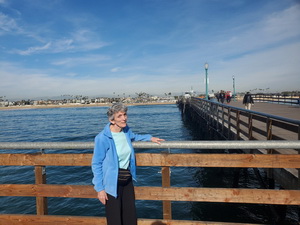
(82, 125)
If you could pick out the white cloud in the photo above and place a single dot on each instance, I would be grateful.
(277, 68)
(91, 59)
(17, 82)
(8, 25)
(116, 69)
(273, 29)
(33, 50)
(153, 59)
(80, 39)
(62, 46)
(86, 39)
(281, 25)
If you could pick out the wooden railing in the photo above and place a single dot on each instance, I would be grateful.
(245, 124)
(165, 193)
(240, 124)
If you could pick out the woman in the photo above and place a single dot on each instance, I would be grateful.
(114, 167)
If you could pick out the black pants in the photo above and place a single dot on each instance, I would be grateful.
(121, 210)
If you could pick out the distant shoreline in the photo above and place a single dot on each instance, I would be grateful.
(77, 105)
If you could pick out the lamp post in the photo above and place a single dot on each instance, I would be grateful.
(233, 83)
(206, 81)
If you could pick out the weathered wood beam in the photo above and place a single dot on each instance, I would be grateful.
(17, 219)
(226, 195)
(220, 160)
(157, 159)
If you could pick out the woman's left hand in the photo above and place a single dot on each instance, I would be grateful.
(157, 140)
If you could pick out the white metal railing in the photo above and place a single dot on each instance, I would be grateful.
(164, 145)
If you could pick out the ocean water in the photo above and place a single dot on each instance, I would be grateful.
(83, 124)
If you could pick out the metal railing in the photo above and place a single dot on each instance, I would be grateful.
(163, 145)
(277, 99)
(244, 124)
(234, 123)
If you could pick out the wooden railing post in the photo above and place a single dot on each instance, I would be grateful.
(40, 178)
(238, 129)
(270, 151)
(229, 123)
(218, 116)
(223, 120)
(299, 134)
(250, 126)
(207, 112)
(269, 129)
(299, 153)
(212, 109)
(166, 182)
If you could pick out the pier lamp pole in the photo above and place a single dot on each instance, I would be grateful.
(206, 81)
(233, 83)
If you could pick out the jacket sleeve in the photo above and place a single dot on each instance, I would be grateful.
(138, 137)
(97, 163)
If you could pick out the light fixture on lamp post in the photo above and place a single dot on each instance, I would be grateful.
(233, 83)
(206, 81)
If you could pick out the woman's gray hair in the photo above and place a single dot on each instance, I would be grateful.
(116, 107)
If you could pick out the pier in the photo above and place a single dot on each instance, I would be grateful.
(236, 123)
(281, 110)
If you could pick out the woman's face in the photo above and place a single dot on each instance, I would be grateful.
(120, 119)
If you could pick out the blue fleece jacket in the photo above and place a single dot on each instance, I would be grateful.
(105, 165)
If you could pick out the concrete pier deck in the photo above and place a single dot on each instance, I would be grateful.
(287, 111)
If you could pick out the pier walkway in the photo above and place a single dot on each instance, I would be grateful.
(279, 111)
(287, 111)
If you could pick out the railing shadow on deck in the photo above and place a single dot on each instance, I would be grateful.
(165, 193)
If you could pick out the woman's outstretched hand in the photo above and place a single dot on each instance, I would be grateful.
(157, 140)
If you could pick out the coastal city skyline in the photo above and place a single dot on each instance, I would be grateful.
(98, 48)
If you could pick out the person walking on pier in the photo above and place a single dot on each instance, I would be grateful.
(248, 101)
(114, 167)
(228, 96)
(217, 96)
(222, 96)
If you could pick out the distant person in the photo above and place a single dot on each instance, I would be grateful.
(228, 96)
(222, 97)
(248, 101)
(114, 167)
(217, 96)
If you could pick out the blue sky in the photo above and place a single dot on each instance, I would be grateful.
(101, 47)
